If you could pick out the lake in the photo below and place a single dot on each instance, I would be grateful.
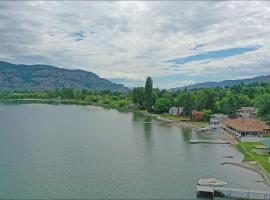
(68, 151)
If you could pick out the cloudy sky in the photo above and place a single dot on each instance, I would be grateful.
(177, 43)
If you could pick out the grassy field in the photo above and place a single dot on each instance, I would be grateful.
(246, 149)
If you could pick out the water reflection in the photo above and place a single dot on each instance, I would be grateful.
(186, 132)
(136, 117)
(147, 130)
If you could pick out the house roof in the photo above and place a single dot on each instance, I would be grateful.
(244, 124)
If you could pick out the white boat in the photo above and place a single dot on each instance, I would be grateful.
(211, 182)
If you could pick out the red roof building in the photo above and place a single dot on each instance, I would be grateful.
(242, 127)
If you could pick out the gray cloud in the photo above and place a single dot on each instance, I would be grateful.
(130, 40)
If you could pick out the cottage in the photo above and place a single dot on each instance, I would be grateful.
(247, 112)
(245, 127)
(197, 115)
(176, 111)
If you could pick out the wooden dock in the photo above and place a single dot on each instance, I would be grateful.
(234, 192)
(209, 142)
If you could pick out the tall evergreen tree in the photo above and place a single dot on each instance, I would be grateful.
(149, 94)
(187, 104)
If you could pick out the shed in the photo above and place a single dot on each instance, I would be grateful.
(197, 115)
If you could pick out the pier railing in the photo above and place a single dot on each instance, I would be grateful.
(234, 192)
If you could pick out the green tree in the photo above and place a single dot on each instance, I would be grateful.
(227, 105)
(185, 100)
(76, 94)
(205, 99)
(262, 102)
(66, 93)
(244, 100)
(206, 114)
(138, 96)
(162, 105)
(149, 94)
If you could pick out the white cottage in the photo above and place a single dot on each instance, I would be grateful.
(176, 111)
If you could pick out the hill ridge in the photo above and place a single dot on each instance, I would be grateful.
(224, 83)
(39, 77)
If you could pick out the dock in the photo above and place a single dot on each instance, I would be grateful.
(209, 142)
(233, 192)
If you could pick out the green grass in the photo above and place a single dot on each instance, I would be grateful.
(246, 149)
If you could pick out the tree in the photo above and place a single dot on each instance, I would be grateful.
(76, 94)
(162, 105)
(207, 114)
(138, 96)
(66, 93)
(244, 100)
(262, 102)
(188, 105)
(185, 100)
(205, 99)
(149, 94)
(228, 105)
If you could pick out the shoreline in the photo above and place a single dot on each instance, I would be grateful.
(167, 120)
(222, 135)
(249, 165)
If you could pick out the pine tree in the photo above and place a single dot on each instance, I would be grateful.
(149, 94)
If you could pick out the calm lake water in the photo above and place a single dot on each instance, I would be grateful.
(67, 151)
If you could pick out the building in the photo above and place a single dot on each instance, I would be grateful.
(216, 120)
(176, 111)
(197, 115)
(246, 127)
(247, 112)
(266, 143)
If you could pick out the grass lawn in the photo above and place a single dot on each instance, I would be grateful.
(246, 149)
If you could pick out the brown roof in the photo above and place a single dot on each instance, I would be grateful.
(244, 124)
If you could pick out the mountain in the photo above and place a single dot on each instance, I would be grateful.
(259, 79)
(45, 77)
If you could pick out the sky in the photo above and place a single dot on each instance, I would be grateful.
(177, 43)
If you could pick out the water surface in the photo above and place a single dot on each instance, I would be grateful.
(67, 151)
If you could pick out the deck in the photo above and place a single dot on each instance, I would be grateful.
(234, 192)
(209, 142)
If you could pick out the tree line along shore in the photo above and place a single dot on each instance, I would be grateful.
(153, 100)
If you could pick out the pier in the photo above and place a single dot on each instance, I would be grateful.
(233, 192)
(209, 142)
